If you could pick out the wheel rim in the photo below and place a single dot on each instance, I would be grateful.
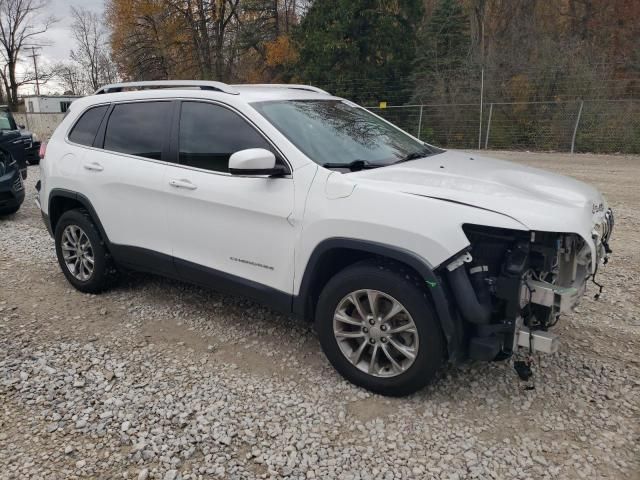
(77, 252)
(376, 333)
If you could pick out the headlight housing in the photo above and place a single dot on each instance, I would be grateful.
(602, 230)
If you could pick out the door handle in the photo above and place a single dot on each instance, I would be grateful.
(93, 166)
(182, 183)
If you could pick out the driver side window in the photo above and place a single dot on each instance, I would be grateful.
(210, 134)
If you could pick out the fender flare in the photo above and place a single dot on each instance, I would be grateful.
(82, 200)
(435, 284)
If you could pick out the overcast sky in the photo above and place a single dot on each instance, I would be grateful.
(57, 42)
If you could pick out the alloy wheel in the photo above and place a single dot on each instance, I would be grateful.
(77, 252)
(376, 333)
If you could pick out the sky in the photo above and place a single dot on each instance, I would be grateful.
(57, 42)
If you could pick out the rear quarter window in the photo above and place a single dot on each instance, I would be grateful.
(85, 130)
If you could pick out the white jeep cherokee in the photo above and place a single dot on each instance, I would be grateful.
(404, 255)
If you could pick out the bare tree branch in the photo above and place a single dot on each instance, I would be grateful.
(92, 51)
(20, 21)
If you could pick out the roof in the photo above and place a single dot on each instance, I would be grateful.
(206, 89)
(264, 93)
(52, 96)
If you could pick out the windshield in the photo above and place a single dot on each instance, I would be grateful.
(339, 134)
(6, 121)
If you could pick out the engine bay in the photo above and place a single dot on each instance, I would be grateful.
(511, 287)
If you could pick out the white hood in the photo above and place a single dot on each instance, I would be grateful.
(539, 200)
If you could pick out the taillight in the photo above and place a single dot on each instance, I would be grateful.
(43, 150)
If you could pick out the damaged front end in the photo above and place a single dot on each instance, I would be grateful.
(511, 286)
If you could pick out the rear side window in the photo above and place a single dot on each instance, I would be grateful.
(138, 128)
(209, 134)
(85, 130)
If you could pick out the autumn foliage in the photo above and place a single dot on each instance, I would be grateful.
(205, 39)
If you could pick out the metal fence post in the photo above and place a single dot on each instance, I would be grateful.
(575, 128)
(420, 121)
(486, 137)
(481, 101)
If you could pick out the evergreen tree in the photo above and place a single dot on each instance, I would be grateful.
(360, 48)
(443, 53)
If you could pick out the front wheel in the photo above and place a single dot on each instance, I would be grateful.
(378, 329)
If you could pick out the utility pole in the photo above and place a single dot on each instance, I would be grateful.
(34, 55)
(481, 86)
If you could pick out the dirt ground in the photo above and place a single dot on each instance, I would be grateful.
(159, 379)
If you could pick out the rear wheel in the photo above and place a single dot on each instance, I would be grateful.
(82, 254)
(378, 329)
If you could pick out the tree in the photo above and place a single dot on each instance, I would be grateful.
(208, 23)
(267, 50)
(229, 40)
(148, 40)
(92, 50)
(20, 22)
(360, 49)
(443, 54)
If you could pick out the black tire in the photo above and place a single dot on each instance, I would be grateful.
(404, 286)
(104, 271)
(9, 211)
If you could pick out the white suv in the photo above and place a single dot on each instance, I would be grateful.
(403, 255)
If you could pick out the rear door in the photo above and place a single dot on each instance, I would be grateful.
(125, 171)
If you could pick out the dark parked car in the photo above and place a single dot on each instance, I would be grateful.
(22, 144)
(31, 145)
(11, 186)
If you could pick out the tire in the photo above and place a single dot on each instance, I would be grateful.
(103, 273)
(9, 211)
(391, 282)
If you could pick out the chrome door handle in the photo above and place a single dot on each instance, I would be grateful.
(182, 183)
(93, 166)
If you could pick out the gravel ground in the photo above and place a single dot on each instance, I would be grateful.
(159, 379)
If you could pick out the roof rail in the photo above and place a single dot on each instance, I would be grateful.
(293, 86)
(201, 84)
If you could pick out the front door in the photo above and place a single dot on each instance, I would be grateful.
(227, 228)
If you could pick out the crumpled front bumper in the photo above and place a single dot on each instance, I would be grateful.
(564, 297)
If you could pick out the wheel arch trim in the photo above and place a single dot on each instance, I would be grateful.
(82, 200)
(436, 289)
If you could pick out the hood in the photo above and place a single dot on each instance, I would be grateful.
(8, 135)
(537, 199)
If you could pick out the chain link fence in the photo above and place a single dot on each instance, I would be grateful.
(598, 126)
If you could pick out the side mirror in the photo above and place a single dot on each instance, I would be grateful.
(254, 161)
(21, 127)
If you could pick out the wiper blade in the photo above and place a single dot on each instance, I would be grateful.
(415, 155)
(354, 166)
